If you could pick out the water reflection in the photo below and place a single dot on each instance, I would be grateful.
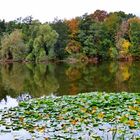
(8, 102)
(45, 79)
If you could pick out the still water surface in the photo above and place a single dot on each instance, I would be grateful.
(70, 79)
(35, 80)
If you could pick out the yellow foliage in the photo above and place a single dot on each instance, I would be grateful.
(101, 115)
(60, 118)
(124, 47)
(136, 108)
(131, 123)
(126, 44)
(83, 109)
(94, 109)
(74, 122)
(21, 119)
(133, 20)
(124, 73)
(41, 129)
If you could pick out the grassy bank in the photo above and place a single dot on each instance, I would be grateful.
(89, 115)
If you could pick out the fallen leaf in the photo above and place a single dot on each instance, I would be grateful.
(131, 123)
(101, 115)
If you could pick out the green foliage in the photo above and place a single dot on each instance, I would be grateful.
(134, 34)
(113, 53)
(30, 57)
(89, 38)
(2, 27)
(13, 47)
(94, 38)
(62, 29)
(104, 47)
(42, 43)
(96, 35)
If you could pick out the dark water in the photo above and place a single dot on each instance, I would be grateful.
(60, 79)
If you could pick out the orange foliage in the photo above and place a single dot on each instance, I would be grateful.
(134, 20)
(74, 122)
(73, 73)
(73, 47)
(73, 89)
(131, 123)
(73, 26)
(21, 119)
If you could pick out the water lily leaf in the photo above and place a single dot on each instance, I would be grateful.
(131, 123)
(41, 129)
(74, 122)
(101, 115)
(72, 117)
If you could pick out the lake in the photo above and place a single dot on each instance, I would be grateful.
(20, 81)
(68, 79)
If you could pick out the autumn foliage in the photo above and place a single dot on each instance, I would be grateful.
(99, 35)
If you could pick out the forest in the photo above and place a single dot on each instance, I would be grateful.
(96, 36)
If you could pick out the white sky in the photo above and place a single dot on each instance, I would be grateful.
(47, 10)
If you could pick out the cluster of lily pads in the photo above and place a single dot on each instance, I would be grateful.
(96, 115)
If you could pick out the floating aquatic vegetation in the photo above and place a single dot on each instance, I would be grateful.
(95, 115)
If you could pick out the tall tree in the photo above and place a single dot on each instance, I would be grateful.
(13, 47)
(62, 29)
(134, 35)
(73, 25)
(43, 43)
(99, 15)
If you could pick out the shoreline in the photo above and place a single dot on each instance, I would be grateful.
(70, 61)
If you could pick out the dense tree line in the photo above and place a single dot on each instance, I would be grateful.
(99, 35)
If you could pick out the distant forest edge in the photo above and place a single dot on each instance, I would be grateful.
(91, 37)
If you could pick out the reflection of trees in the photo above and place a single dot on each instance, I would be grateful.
(108, 76)
(123, 75)
(73, 73)
(102, 79)
(6, 91)
(6, 81)
(38, 79)
(42, 80)
(113, 67)
(73, 88)
(134, 81)
(13, 76)
(89, 78)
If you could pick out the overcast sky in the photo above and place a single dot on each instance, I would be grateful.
(47, 10)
